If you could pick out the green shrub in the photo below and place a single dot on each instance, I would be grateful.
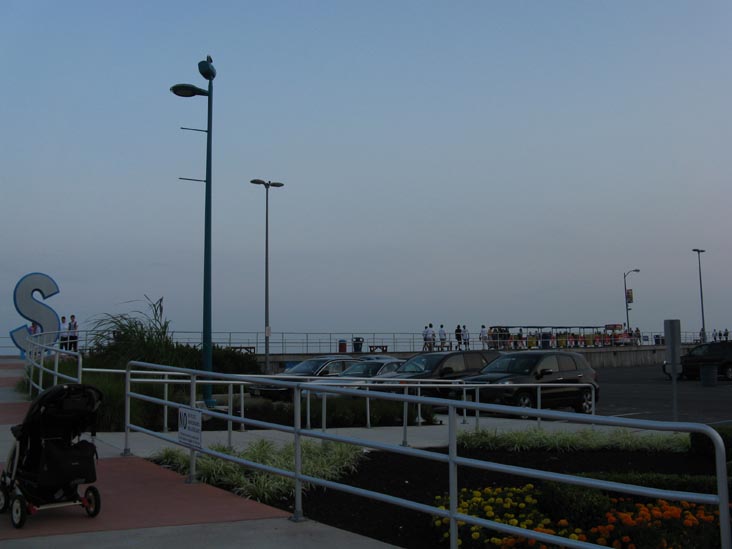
(701, 444)
(579, 504)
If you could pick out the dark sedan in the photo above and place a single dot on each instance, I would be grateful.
(554, 369)
(717, 354)
(321, 366)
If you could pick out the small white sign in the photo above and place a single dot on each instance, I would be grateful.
(189, 427)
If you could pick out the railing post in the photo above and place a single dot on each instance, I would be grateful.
(453, 474)
(323, 411)
(55, 368)
(538, 404)
(477, 411)
(165, 407)
(229, 412)
(242, 426)
(79, 367)
(307, 412)
(405, 418)
(192, 452)
(465, 410)
(126, 450)
(40, 371)
(368, 411)
(297, 515)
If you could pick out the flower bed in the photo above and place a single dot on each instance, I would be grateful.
(628, 523)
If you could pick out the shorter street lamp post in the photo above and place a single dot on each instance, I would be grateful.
(267, 329)
(627, 308)
(701, 295)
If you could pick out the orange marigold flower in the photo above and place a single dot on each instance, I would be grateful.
(625, 539)
(563, 522)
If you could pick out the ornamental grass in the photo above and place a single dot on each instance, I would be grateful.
(628, 523)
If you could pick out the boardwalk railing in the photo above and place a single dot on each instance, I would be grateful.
(451, 460)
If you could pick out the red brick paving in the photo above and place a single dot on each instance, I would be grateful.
(12, 413)
(139, 494)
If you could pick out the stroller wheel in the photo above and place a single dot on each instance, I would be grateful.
(4, 498)
(93, 501)
(18, 511)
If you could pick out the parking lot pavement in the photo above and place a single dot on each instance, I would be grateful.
(646, 393)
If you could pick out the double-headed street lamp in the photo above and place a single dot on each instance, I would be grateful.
(627, 302)
(701, 295)
(208, 71)
(267, 329)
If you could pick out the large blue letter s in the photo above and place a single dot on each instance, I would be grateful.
(35, 311)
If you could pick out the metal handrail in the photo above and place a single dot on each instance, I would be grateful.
(721, 499)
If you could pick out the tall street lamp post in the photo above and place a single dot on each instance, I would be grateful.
(208, 71)
(627, 303)
(701, 295)
(267, 329)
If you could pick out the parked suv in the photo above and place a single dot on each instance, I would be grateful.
(441, 365)
(328, 365)
(544, 367)
(717, 353)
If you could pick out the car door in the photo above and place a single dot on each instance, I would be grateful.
(548, 374)
(570, 373)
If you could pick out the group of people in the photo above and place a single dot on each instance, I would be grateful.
(462, 338)
(720, 335)
(69, 333)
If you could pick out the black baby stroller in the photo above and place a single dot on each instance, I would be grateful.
(49, 461)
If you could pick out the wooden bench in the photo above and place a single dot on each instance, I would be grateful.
(378, 348)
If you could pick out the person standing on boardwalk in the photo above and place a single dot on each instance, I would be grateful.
(483, 337)
(430, 338)
(466, 337)
(443, 337)
(73, 334)
(458, 337)
(64, 334)
(425, 344)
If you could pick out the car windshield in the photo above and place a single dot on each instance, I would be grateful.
(307, 367)
(421, 363)
(512, 364)
(706, 350)
(362, 369)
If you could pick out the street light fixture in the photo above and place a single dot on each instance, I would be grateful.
(625, 287)
(208, 71)
(267, 329)
(701, 295)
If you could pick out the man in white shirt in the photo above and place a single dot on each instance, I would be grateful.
(443, 337)
(64, 334)
(466, 338)
(484, 337)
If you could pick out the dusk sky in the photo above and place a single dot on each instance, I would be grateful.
(476, 162)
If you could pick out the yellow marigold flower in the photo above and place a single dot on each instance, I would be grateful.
(573, 536)
(513, 522)
(475, 535)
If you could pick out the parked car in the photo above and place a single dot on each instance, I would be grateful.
(441, 365)
(717, 354)
(362, 369)
(327, 365)
(543, 367)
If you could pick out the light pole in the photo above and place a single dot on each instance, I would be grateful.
(701, 295)
(208, 71)
(267, 329)
(625, 287)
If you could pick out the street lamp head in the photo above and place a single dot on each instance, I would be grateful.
(187, 90)
(258, 182)
(697, 250)
(207, 69)
(276, 184)
(267, 184)
(635, 271)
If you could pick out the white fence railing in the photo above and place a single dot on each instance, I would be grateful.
(452, 459)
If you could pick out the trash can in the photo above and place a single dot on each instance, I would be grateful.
(342, 346)
(357, 343)
(708, 375)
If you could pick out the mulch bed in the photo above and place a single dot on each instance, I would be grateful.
(421, 480)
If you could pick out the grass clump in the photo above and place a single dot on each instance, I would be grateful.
(563, 442)
(327, 460)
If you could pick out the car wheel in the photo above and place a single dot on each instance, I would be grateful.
(584, 406)
(524, 400)
(728, 373)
